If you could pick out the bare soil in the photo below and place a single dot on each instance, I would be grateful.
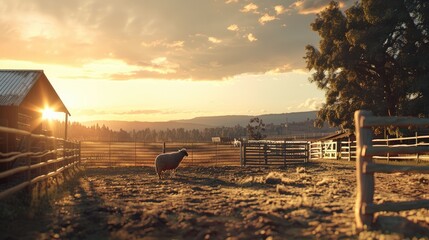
(311, 201)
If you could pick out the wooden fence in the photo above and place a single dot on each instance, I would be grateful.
(115, 154)
(346, 150)
(365, 167)
(256, 153)
(38, 158)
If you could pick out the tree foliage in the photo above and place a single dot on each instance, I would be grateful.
(373, 56)
(255, 128)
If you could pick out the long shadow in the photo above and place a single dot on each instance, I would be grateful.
(216, 182)
(401, 225)
(89, 214)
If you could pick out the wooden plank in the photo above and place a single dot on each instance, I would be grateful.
(372, 121)
(386, 168)
(401, 149)
(13, 190)
(395, 206)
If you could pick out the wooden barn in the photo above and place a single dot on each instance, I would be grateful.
(24, 94)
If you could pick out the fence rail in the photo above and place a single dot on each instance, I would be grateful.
(115, 154)
(38, 158)
(346, 150)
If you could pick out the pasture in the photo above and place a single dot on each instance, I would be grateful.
(301, 201)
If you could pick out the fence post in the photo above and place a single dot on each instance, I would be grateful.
(417, 154)
(365, 181)
(163, 147)
(284, 152)
(28, 149)
(265, 154)
(244, 153)
(241, 154)
(307, 152)
(349, 145)
(216, 155)
(387, 142)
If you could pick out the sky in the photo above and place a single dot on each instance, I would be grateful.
(159, 60)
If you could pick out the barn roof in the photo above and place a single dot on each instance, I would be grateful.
(337, 135)
(16, 87)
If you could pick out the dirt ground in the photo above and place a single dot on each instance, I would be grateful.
(311, 201)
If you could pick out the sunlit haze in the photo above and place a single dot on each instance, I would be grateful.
(165, 60)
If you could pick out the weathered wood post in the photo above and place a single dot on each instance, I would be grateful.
(265, 154)
(284, 152)
(244, 153)
(80, 153)
(307, 152)
(387, 143)
(417, 143)
(365, 181)
(241, 154)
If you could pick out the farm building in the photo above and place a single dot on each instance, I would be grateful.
(331, 145)
(24, 94)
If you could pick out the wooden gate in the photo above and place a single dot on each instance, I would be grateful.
(256, 153)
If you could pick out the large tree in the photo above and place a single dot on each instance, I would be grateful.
(373, 56)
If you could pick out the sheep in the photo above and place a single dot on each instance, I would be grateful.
(169, 161)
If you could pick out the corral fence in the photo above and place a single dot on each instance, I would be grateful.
(249, 153)
(119, 154)
(36, 158)
(346, 150)
(366, 167)
(257, 153)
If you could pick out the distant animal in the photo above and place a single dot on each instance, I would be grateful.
(169, 161)
(236, 143)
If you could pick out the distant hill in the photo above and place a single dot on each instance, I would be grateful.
(207, 122)
(243, 120)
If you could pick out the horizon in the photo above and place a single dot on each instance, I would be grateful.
(60, 117)
(142, 61)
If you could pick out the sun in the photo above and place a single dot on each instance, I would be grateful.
(48, 114)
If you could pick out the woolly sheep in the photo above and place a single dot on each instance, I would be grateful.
(169, 161)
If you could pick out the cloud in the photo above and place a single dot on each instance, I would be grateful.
(250, 8)
(155, 39)
(266, 18)
(251, 37)
(233, 27)
(280, 69)
(163, 43)
(214, 40)
(279, 9)
(311, 104)
(315, 6)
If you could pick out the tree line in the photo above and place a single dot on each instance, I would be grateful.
(79, 132)
(256, 129)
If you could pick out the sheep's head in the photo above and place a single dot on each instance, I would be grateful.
(183, 150)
